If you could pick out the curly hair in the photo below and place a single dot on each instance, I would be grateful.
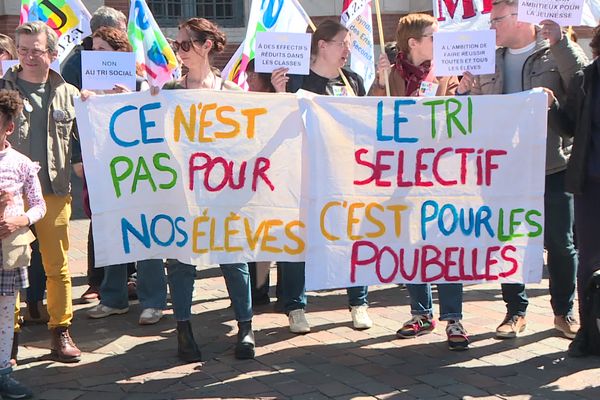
(10, 104)
(116, 38)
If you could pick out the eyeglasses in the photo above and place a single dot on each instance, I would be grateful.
(33, 52)
(341, 43)
(494, 21)
(186, 45)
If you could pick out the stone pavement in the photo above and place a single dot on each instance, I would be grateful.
(123, 360)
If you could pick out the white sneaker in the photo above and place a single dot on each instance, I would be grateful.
(298, 322)
(150, 316)
(360, 317)
(101, 311)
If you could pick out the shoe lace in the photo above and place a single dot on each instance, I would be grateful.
(570, 320)
(65, 339)
(416, 322)
(456, 329)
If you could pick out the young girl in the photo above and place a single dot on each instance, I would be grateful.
(18, 179)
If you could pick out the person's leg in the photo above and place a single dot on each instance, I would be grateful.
(259, 284)
(421, 308)
(53, 235)
(516, 300)
(562, 256)
(357, 296)
(450, 298)
(94, 275)
(181, 279)
(36, 310)
(294, 295)
(358, 304)
(113, 293)
(237, 280)
(587, 224)
(9, 387)
(152, 284)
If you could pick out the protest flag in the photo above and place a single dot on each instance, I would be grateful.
(265, 16)
(356, 16)
(462, 15)
(152, 51)
(68, 18)
(591, 13)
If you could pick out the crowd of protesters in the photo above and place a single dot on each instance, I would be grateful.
(39, 148)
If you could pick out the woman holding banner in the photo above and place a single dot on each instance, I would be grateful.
(151, 280)
(412, 75)
(330, 49)
(197, 41)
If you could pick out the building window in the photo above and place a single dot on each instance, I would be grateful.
(224, 12)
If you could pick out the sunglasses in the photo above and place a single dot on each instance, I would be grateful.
(185, 45)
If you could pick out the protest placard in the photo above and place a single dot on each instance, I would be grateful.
(282, 49)
(205, 177)
(462, 15)
(424, 189)
(457, 52)
(102, 70)
(563, 12)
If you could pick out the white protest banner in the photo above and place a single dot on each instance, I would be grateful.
(591, 13)
(202, 176)
(282, 50)
(457, 52)
(424, 189)
(102, 70)
(357, 17)
(462, 15)
(563, 12)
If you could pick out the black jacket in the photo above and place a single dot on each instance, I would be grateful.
(575, 118)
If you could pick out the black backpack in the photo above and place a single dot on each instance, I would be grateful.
(587, 341)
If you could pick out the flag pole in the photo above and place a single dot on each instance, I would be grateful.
(382, 44)
(344, 79)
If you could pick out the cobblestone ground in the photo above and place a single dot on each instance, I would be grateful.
(123, 360)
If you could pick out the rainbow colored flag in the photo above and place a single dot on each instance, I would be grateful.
(265, 16)
(152, 51)
(69, 19)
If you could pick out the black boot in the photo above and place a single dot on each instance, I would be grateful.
(15, 347)
(187, 349)
(244, 348)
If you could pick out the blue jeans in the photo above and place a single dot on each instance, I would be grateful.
(181, 278)
(151, 285)
(294, 292)
(562, 256)
(450, 299)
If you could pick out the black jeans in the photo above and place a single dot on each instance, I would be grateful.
(562, 256)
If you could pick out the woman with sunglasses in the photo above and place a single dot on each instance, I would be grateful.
(197, 41)
(330, 50)
(412, 75)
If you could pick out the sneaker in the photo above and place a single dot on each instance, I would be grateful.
(458, 339)
(101, 311)
(567, 324)
(91, 295)
(418, 325)
(298, 322)
(360, 317)
(10, 388)
(511, 327)
(150, 316)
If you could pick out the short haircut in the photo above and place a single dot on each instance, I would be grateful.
(412, 26)
(10, 104)
(35, 28)
(107, 16)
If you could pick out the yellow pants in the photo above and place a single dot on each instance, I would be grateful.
(53, 236)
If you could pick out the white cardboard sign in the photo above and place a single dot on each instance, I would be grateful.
(102, 70)
(282, 50)
(563, 12)
(457, 52)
